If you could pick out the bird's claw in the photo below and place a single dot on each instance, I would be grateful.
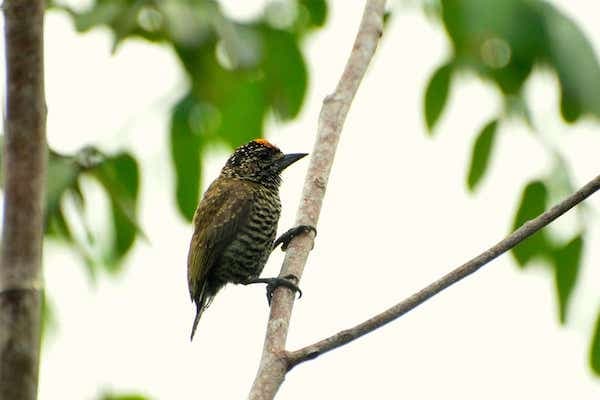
(274, 283)
(290, 234)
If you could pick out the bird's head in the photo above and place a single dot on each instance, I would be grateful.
(259, 161)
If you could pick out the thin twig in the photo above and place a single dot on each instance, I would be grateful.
(24, 168)
(529, 228)
(273, 365)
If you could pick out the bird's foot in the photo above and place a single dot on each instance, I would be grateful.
(287, 237)
(274, 283)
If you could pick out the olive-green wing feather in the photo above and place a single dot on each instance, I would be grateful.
(224, 207)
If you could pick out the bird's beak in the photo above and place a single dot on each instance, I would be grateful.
(289, 159)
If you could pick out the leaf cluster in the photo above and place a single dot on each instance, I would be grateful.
(501, 42)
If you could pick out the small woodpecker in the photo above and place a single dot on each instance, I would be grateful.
(235, 224)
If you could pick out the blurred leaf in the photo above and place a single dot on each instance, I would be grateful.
(242, 115)
(480, 157)
(436, 95)
(285, 73)
(62, 174)
(102, 13)
(124, 18)
(317, 10)
(185, 151)
(57, 227)
(570, 108)
(500, 40)
(119, 175)
(533, 203)
(595, 348)
(572, 54)
(567, 262)
(49, 322)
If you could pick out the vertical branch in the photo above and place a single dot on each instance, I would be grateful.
(274, 365)
(24, 184)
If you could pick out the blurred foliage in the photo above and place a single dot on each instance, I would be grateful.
(238, 72)
(118, 177)
(501, 42)
(563, 258)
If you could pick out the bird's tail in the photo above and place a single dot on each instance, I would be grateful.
(199, 309)
(202, 303)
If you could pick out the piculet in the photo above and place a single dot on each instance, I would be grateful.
(235, 224)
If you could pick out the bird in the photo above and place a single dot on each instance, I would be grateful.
(235, 224)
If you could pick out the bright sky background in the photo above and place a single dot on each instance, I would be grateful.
(396, 216)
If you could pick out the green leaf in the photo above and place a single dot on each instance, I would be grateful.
(480, 157)
(242, 113)
(533, 203)
(103, 13)
(185, 150)
(62, 175)
(595, 348)
(436, 95)
(57, 227)
(285, 73)
(572, 54)
(499, 40)
(119, 175)
(570, 108)
(567, 263)
(124, 18)
(317, 10)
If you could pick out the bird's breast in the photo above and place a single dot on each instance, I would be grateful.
(247, 254)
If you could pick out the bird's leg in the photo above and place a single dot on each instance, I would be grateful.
(274, 283)
(287, 237)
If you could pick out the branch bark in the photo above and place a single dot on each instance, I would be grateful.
(274, 363)
(346, 336)
(24, 166)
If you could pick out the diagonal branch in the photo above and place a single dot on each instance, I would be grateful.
(273, 364)
(529, 228)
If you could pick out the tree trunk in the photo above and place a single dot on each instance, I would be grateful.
(24, 167)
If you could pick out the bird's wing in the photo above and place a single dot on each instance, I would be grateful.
(224, 207)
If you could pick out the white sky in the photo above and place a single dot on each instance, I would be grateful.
(396, 216)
